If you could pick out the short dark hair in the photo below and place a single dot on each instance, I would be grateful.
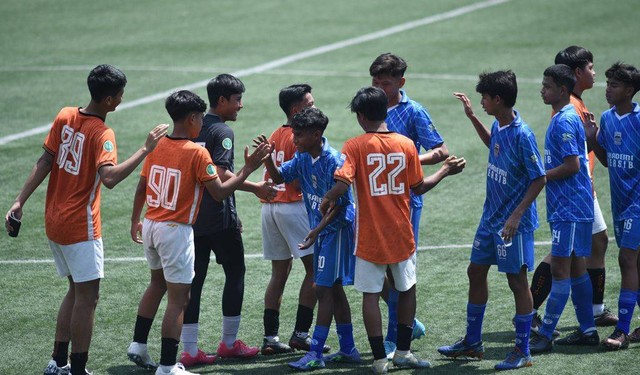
(182, 103)
(371, 102)
(574, 57)
(562, 75)
(388, 64)
(105, 80)
(309, 119)
(292, 95)
(625, 73)
(223, 85)
(501, 83)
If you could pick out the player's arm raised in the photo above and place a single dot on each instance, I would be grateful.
(483, 132)
(453, 165)
(111, 175)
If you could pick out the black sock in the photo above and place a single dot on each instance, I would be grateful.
(271, 320)
(79, 363)
(541, 284)
(141, 330)
(168, 351)
(60, 353)
(304, 319)
(404, 337)
(597, 276)
(377, 347)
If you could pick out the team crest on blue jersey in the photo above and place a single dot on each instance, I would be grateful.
(566, 137)
(227, 143)
(314, 181)
(343, 157)
(617, 138)
(496, 149)
(534, 158)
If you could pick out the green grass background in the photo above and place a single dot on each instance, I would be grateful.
(48, 48)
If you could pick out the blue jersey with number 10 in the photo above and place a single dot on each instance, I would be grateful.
(316, 178)
(568, 199)
(514, 161)
(620, 136)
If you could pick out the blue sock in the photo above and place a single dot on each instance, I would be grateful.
(555, 304)
(626, 303)
(345, 337)
(392, 304)
(523, 327)
(582, 297)
(320, 334)
(475, 315)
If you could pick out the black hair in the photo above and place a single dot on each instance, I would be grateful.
(223, 85)
(625, 73)
(501, 83)
(105, 80)
(574, 57)
(562, 75)
(371, 102)
(309, 119)
(388, 64)
(181, 104)
(292, 95)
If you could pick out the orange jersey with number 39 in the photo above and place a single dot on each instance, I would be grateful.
(175, 172)
(382, 167)
(80, 145)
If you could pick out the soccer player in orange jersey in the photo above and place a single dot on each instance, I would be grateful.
(171, 184)
(384, 167)
(79, 155)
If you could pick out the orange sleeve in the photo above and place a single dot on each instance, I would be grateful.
(347, 172)
(106, 150)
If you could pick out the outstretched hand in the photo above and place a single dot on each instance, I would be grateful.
(309, 240)
(590, 126)
(260, 154)
(454, 165)
(466, 103)
(154, 136)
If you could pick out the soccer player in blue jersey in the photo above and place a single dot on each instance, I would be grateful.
(332, 235)
(515, 177)
(618, 149)
(409, 118)
(569, 213)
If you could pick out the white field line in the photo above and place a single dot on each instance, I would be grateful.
(246, 256)
(288, 59)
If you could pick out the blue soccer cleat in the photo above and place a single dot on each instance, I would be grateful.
(340, 357)
(462, 349)
(515, 360)
(309, 362)
(418, 330)
(389, 349)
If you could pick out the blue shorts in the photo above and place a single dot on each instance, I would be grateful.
(488, 248)
(333, 258)
(627, 233)
(570, 237)
(415, 223)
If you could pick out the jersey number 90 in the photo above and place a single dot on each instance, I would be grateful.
(391, 165)
(163, 182)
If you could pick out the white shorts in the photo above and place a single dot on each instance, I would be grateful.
(169, 246)
(83, 261)
(598, 220)
(369, 277)
(284, 226)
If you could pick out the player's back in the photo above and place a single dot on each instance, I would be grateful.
(81, 144)
(382, 167)
(283, 151)
(175, 173)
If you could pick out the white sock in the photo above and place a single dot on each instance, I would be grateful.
(598, 309)
(230, 327)
(189, 338)
(167, 369)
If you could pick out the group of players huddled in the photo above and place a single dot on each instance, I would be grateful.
(319, 204)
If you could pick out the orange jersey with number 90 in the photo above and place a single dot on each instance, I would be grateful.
(382, 167)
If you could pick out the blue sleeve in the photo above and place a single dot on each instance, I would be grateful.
(531, 156)
(425, 130)
(289, 169)
(220, 147)
(565, 136)
(602, 140)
